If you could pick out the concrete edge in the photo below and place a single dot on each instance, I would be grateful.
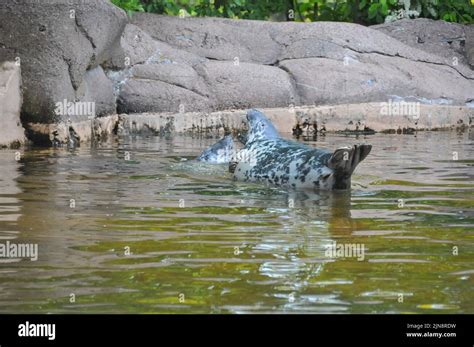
(366, 117)
(12, 133)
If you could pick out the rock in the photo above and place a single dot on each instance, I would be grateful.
(348, 118)
(102, 24)
(213, 85)
(146, 95)
(373, 77)
(138, 47)
(83, 131)
(342, 41)
(150, 61)
(168, 54)
(180, 75)
(213, 38)
(247, 85)
(11, 131)
(469, 47)
(57, 42)
(86, 51)
(327, 62)
(97, 88)
(433, 36)
(336, 40)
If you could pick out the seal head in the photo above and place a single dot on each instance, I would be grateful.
(220, 152)
(260, 127)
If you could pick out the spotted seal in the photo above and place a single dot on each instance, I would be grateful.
(266, 157)
(220, 152)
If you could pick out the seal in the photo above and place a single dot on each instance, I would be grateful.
(268, 158)
(263, 128)
(220, 152)
(260, 127)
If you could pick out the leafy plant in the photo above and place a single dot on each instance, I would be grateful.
(129, 6)
(365, 12)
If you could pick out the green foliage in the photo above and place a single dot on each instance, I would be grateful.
(129, 6)
(365, 12)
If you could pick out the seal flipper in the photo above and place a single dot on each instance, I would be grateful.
(344, 161)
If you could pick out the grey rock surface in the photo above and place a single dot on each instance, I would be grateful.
(155, 63)
(438, 37)
(11, 131)
(56, 42)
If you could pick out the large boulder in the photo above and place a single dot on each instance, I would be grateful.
(373, 77)
(214, 38)
(469, 46)
(11, 131)
(154, 76)
(266, 64)
(97, 88)
(138, 47)
(335, 40)
(245, 85)
(180, 75)
(165, 78)
(436, 37)
(147, 95)
(57, 42)
(86, 51)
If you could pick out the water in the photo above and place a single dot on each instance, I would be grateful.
(201, 243)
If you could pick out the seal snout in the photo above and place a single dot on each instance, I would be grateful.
(254, 115)
(251, 114)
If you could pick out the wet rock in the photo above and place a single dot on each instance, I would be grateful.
(297, 130)
(72, 133)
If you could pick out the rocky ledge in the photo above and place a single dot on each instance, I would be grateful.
(83, 61)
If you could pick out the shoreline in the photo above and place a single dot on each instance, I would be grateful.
(364, 118)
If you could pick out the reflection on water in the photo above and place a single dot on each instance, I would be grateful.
(159, 233)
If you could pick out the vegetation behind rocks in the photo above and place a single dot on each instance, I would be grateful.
(366, 12)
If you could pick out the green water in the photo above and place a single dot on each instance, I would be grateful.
(201, 243)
